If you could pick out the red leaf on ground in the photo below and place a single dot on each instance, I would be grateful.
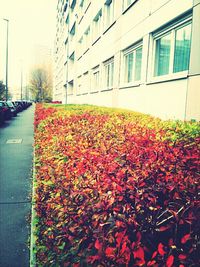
(185, 238)
(139, 253)
(151, 263)
(123, 247)
(164, 228)
(92, 259)
(154, 254)
(110, 252)
(161, 249)
(170, 261)
(98, 245)
(182, 257)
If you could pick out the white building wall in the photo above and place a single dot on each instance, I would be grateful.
(163, 97)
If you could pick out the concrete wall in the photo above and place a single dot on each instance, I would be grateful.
(193, 93)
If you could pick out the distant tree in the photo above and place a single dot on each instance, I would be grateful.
(3, 91)
(41, 85)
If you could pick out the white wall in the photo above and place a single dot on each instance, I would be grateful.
(166, 99)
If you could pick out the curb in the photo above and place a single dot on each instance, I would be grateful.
(33, 223)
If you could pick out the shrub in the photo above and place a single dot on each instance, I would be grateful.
(115, 188)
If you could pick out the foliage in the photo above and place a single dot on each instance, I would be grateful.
(40, 85)
(3, 91)
(115, 188)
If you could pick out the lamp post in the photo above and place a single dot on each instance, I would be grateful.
(21, 83)
(7, 21)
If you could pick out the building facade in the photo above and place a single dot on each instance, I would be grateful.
(134, 54)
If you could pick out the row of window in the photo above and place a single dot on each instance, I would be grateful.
(99, 77)
(84, 3)
(103, 19)
(170, 55)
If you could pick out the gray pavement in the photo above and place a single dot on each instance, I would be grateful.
(15, 189)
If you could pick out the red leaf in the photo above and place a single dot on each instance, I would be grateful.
(119, 238)
(123, 247)
(161, 249)
(171, 242)
(98, 245)
(139, 253)
(185, 238)
(110, 252)
(170, 261)
(182, 257)
(119, 188)
(164, 228)
(151, 263)
(92, 259)
(154, 254)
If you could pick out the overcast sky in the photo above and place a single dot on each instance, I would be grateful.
(31, 22)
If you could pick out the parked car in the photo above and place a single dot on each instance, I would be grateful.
(12, 108)
(1, 115)
(6, 110)
(24, 104)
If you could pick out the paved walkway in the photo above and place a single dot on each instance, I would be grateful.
(15, 189)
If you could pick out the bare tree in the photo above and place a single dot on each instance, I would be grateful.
(41, 85)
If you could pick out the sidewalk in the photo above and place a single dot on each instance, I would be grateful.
(16, 154)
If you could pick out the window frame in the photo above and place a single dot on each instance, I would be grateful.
(109, 5)
(97, 26)
(126, 6)
(70, 90)
(95, 87)
(79, 85)
(107, 83)
(125, 52)
(87, 39)
(171, 29)
(85, 83)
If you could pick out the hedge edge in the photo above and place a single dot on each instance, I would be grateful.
(33, 224)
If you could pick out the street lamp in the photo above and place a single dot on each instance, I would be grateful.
(21, 83)
(7, 21)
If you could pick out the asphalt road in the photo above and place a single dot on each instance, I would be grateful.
(16, 155)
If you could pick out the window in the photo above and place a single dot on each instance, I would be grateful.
(172, 50)
(127, 3)
(80, 47)
(132, 64)
(81, 3)
(70, 88)
(72, 31)
(162, 55)
(79, 85)
(71, 57)
(95, 79)
(182, 48)
(84, 4)
(71, 62)
(87, 39)
(109, 12)
(67, 19)
(73, 3)
(86, 82)
(97, 25)
(108, 73)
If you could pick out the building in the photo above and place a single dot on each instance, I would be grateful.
(60, 65)
(142, 55)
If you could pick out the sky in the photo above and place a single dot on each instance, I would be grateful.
(31, 23)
